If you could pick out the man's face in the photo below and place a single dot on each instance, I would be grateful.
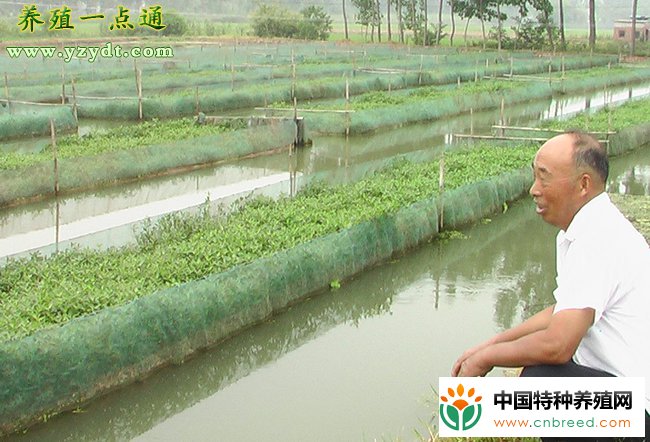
(556, 190)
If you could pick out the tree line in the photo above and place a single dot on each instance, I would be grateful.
(534, 20)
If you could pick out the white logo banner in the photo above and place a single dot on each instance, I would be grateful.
(536, 407)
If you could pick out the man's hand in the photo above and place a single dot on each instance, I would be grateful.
(456, 369)
(471, 365)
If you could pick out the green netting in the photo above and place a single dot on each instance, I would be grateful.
(57, 368)
(373, 119)
(224, 99)
(97, 170)
(173, 94)
(628, 139)
(34, 123)
(474, 201)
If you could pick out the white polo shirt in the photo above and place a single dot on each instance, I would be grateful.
(603, 263)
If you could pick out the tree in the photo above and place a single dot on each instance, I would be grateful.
(313, 23)
(175, 24)
(453, 22)
(592, 24)
(562, 39)
(378, 22)
(634, 11)
(400, 24)
(484, 10)
(545, 18)
(414, 17)
(388, 6)
(425, 40)
(345, 21)
(274, 21)
(316, 24)
(367, 15)
(439, 30)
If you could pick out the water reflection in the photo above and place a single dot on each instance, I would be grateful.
(330, 159)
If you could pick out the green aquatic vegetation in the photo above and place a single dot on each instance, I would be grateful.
(122, 138)
(629, 114)
(38, 292)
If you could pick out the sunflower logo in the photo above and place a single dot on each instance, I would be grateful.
(458, 413)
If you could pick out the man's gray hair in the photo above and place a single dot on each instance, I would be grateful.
(588, 152)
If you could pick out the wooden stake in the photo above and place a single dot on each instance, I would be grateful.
(502, 116)
(295, 108)
(7, 93)
(347, 108)
(58, 225)
(471, 120)
(139, 78)
(232, 77)
(512, 66)
(56, 160)
(63, 84)
(74, 102)
(441, 189)
(197, 105)
(550, 72)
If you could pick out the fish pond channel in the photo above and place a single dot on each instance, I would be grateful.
(113, 216)
(358, 363)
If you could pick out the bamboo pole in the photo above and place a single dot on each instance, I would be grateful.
(197, 105)
(512, 65)
(33, 103)
(293, 75)
(537, 129)
(476, 72)
(420, 72)
(492, 137)
(74, 101)
(325, 111)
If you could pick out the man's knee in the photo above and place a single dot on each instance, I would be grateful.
(570, 369)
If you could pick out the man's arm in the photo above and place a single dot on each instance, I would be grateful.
(538, 321)
(554, 344)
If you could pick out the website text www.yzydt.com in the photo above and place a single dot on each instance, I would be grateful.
(90, 53)
(562, 423)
